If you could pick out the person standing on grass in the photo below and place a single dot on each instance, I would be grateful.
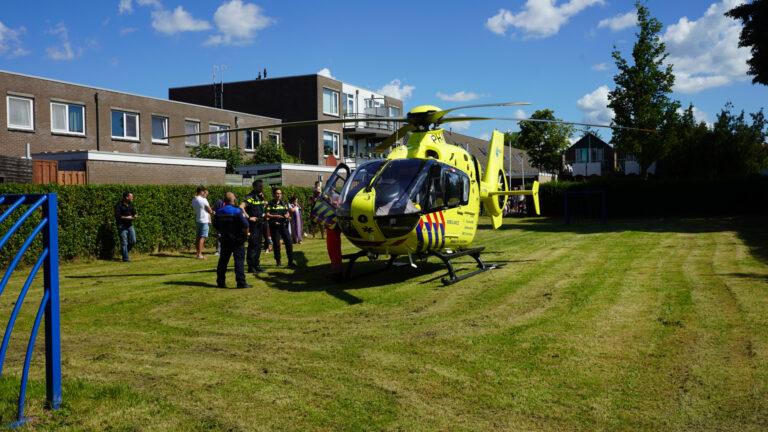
(297, 224)
(254, 206)
(203, 214)
(279, 216)
(233, 226)
(125, 214)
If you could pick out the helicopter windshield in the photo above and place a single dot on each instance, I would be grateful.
(399, 187)
(360, 179)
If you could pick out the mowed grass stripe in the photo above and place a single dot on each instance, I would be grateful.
(600, 330)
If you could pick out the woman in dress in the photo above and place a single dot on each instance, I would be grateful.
(297, 225)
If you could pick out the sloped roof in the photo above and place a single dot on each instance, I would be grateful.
(479, 149)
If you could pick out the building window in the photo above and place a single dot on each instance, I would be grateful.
(349, 147)
(274, 138)
(67, 118)
(20, 113)
(330, 102)
(125, 125)
(252, 140)
(191, 127)
(394, 111)
(349, 104)
(331, 143)
(159, 129)
(597, 154)
(222, 139)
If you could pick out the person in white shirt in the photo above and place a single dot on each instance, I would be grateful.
(203, 214)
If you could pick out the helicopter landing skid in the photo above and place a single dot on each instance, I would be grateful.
(474, 253)
(353, 257)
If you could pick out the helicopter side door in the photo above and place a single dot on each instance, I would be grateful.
(442, 223)
(324, 208)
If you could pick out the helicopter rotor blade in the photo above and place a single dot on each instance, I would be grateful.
(298, 123)
(519, 120)
(444, 112)
(388, 141)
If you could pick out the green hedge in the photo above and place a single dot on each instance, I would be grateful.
(165, 220)
(635, 197)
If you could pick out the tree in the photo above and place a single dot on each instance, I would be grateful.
(754, 17)
(641, 97)
(207, 151)
(544, 141)
(269, 153)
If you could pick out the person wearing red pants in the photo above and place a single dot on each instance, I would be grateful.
(325, 215)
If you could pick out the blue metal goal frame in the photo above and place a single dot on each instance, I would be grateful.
(49, 306)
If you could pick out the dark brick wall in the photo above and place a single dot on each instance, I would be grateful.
(43, 91)
(15, 170)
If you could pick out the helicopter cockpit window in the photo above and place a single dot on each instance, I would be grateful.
(447, 188)
(332, 191)
(453, 189)
(360, 178)
(398, 187)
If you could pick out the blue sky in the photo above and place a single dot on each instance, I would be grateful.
(555, 54)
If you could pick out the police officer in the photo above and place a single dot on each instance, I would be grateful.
(233, 226)
(255, 207)
(279, 216)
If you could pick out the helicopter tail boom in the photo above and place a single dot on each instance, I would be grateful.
(534, 192)
(494, 180)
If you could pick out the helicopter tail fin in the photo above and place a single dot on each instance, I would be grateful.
(494, 180)
(494, 187)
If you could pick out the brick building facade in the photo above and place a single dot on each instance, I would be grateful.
(53, 116)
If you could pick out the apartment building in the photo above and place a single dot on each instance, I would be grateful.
(307, 97)
(118, 137)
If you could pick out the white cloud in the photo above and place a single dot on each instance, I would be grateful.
(127, 30)
(539, 18)
(461, 96)
(595, 106)
(177, 21)
(486, 136)
(326, 73)
(600, 67)
(65, 51)
(397, 89)
(698, 115)
(705, 52)
(459, 125)
(520, 114)
(238, 23)
(126, 6)
(10, 42)
(619, 22)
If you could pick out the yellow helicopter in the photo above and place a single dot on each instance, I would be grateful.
(424, 199)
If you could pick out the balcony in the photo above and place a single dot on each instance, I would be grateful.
(369, 126)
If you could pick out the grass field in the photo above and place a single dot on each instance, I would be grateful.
(636, 325)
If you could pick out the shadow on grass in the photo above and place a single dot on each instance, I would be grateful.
(138, 274)
(365, 274)
(200, 284)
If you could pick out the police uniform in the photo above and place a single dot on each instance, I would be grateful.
(255, 206)
(232, 224)
(278, 228)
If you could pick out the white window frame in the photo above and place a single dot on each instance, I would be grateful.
(253, 134)
(66, 106)
(348, 105)
(31, 103)
(196, 138)
(125, 125)
(334, 104)
(219, 127)
(165, 132)
(271, 134)
(334, 146)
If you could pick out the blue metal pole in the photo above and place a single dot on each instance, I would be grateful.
(52, 330)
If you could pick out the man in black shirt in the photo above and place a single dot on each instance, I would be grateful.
(233, 226)
(279, 216)
(254, 207)
(124, 216)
